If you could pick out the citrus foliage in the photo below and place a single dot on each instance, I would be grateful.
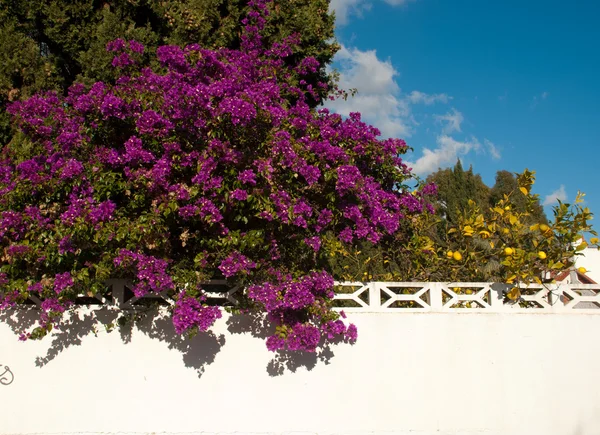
(500, 244)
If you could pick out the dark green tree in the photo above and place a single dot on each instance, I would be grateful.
(49, 44)
(455, 188)
(506, 184)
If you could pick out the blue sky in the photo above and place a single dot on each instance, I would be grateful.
(509, 84)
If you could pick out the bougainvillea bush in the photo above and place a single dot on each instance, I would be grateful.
(213, 166)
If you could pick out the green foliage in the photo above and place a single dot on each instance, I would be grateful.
(455, 188)
(507, 184)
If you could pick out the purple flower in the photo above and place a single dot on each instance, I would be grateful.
(136, 47)
(65, 245)
(304, 337)
(348, 178)
(151, 272)
(275, 343)
(103, 212)
(53, 305)
(346, 235)
(122, 60)
(247, 177)
(62, 281)
(236, 263)
(116, 45)
(351, 333)
(313, 242)
(189, 313)
(71, 169)
(239, 195)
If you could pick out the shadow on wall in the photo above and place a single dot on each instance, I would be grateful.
(256, 325)
(197, 352)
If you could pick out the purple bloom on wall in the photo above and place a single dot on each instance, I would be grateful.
(247, 177)
(351, 333)
(136, 47)
(275, 343)
(52, 305)
(236, 263)
(122, 60)
(62, 281)
(313, 242)
(239, 195)
(71, 169)
(346, 235)
(348, 178)
(115, 45)
(65, 245)
(103, 212)
(189, 313)
(304, 337)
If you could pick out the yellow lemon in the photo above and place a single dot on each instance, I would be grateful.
(457, 256)
(507, 208)
(449, 254)
(505, 230)
(542, 255)
(581, 269)
(509, 251)
(594, 240)
(544, 228)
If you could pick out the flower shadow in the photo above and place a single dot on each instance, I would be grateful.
(257, 325)
(197, 352)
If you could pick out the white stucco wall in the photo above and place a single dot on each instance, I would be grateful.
(409, 373)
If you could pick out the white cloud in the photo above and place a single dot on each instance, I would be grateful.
(345, 8)
(446, 154)
(558, 194)
(378, 99)
(453, 121)
(417, 97)
(492, 149)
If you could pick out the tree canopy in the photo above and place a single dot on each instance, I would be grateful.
(457, 186)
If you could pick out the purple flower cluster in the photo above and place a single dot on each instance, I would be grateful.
(236, 263)
(151, 272)
(287, 301)
(189, 313)
(171, 173)
(62, 281)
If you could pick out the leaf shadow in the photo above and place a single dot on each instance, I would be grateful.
(197, 352)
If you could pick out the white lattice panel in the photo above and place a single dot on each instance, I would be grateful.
(581, 298)
(354, 296)
(390, 297)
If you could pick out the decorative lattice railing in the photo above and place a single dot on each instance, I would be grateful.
(394, 297)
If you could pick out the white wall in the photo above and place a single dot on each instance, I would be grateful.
(409, 373)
